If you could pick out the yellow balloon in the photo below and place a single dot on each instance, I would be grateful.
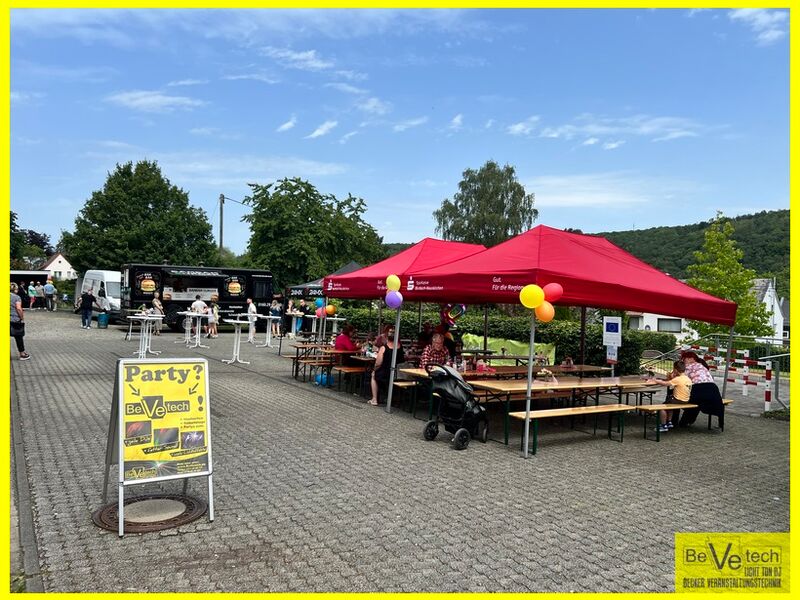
(545, 312)
(531, 296)
(393, 283)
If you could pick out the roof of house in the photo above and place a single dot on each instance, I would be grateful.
(52, 259)
(760, 287)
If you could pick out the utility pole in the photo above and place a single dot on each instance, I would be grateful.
(221, 203)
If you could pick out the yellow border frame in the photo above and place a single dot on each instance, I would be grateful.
(793, 164)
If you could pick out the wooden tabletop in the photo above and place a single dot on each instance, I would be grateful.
(330, 350)
(508, 386)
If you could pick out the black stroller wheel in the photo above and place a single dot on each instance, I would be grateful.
(482, 432)
(461, 439)
(431, 430)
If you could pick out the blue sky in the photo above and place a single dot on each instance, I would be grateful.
(615, 119)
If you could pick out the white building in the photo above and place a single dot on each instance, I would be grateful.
(59, 267)
(764, 290)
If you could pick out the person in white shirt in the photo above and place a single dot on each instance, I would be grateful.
(199, 306)
(252, 311)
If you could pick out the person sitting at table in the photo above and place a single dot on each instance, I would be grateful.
(434, 353)
(449, 343)
(681, 390)
(383, 365)
(344, 341)
(424, 337)
(705, 392)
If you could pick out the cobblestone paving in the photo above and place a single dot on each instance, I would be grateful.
(317, 491)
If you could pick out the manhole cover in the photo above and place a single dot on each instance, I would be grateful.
(153, 512)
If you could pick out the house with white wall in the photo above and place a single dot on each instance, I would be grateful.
(764, 290)
(58, 267)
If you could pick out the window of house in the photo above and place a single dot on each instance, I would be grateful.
(635, 323)
(669, 325)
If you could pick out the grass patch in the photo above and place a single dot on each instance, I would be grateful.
(780, 415)
(17, 582)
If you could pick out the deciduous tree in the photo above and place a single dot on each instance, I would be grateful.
(490, 207)
(138, 216)
(718, 270)
(299, 233)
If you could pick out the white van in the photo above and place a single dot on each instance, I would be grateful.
(110, 282)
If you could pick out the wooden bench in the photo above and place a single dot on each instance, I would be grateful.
(311, 363)
(346, 370)
(655, 409)
(609, 409)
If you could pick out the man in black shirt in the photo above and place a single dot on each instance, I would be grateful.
(87, 302)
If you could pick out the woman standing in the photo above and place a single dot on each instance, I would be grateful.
(159, 310)
(18, 322)
(275, 311)
(383, 364)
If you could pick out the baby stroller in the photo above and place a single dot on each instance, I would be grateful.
(460, 413)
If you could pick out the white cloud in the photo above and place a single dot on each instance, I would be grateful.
(307, 60)
(36, 71)
(457, 122)
(489, 124)
(656, 128)
(252, 77)
(374, 106)
(408, 124)
(149, 101)
(288, 125)
(590, 142)
(214, 132)
(117, 145)
(344, 139)
(525, 127)
(768, 25)
(605, 190)
(181, 82)
(323, 129)
(693, 11)
(613, 145)
(346, 88)
(18, 97)
(351, 75)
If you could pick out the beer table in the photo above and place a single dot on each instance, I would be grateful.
(237, 340)
(147, 324)
(197, 319)
(504, 389)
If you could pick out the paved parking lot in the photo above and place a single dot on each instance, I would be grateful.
(317, 491)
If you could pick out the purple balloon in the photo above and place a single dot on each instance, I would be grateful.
(394, 299)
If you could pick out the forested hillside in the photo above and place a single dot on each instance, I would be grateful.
(763, 237)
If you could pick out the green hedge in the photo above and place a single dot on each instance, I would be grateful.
(564, 334)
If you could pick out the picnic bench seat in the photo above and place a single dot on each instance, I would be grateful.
(310, 364)
(348, 371)
(609, 409)
(653, 409)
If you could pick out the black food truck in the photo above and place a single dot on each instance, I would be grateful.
(179, 285)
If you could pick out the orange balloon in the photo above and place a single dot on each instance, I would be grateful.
(330, 309)
(545, 312)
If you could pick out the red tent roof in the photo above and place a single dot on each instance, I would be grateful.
(592, 271)
(370, 282)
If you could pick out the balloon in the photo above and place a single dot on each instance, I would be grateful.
(394, 299)
(545, 312)
(451, 312)
(531, 296)
(393, 283)
(552, 292)
(320, 302)
(330, 309)
(319, 312)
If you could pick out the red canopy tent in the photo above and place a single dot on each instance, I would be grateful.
(593, 272)
(370, 282)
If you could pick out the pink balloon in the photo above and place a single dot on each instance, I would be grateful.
(319, 312)
(553, 291)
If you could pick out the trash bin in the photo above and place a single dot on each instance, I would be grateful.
(102, 320)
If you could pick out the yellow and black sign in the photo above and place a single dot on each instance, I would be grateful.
(163, 419)
(732, 562)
